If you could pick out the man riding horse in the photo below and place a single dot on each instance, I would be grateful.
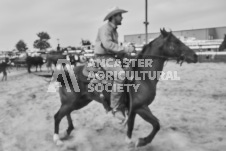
(106, 48)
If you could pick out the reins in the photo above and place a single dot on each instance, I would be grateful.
(179, 59)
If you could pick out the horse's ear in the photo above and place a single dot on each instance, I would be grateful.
(164, 29)
(170, 31)
(164, 32)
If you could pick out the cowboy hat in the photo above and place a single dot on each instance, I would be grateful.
(113, 11)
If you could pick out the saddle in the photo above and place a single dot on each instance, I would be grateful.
(91, 74)
(84, 77)
(88, 70)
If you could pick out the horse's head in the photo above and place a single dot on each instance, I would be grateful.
(173, 48)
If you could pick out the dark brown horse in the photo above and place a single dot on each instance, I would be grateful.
(52, 58)
(163, 48)
(223, 44)
(36, 61)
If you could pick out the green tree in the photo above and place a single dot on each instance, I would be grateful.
(85, 42)
(21, 46)
(42, 43)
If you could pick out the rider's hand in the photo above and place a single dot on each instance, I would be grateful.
(129, 49)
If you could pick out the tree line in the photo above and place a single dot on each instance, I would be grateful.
(41, 43)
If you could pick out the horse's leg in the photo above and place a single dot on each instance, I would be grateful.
(70, 127)
(36, 68)
(130, 125)
(70, 124)
(5, 75)
(29, 69)
(64, 110)
(147, 115)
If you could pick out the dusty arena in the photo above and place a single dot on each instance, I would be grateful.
(191, 111)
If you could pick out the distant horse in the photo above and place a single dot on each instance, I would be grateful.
(34, 61)
(163, 48)
(52, 58)
(19, 61)
(223, 44)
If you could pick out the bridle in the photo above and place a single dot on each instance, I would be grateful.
(179, 59)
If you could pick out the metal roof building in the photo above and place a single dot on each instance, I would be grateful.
(197, 34)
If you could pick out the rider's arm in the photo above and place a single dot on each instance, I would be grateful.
(107, 41)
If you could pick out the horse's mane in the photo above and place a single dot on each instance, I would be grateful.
(149, 45)
(144, 49)
(140, 55)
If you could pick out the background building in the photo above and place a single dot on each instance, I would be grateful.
(204, 41)
(195, 34)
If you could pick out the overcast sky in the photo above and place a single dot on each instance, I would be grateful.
(72, 20)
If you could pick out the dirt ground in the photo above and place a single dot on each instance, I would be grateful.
(191, 111)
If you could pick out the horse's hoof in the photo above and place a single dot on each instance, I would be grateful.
(128, 140)
(57, 140)
(59, 143)
(140, 142)
(64, 135)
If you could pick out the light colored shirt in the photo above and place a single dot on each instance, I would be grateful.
(107, 40)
